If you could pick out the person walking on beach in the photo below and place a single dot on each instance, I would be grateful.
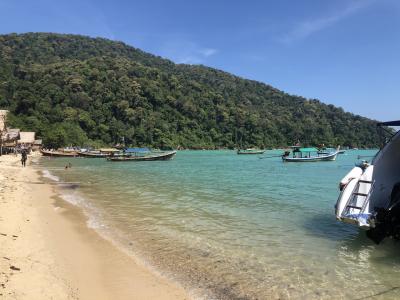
(24, 157)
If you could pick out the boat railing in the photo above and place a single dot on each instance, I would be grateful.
(353, 200)
(366, 202)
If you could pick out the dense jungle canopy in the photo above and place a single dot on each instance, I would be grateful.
(76, 90)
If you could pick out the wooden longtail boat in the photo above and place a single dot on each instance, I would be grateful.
(94, 154)
(59, 153)
(308, 155)
(250, 151)
(99, 153)
(146, 157)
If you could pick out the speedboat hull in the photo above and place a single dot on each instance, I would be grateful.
(370, 193)
(353, 205)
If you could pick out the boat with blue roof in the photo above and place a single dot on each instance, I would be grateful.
(310, 154)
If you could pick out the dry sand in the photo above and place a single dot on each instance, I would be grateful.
(48, 252)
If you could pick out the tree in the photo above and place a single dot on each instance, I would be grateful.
(74, 89)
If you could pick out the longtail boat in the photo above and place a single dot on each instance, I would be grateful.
(94, 154)
(57, 153)
(250, 151)
(143, 157)
(299, 154)
(102, 153)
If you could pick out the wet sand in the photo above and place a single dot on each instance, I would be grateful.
(48, 252)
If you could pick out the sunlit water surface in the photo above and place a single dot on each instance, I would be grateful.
(230, 226)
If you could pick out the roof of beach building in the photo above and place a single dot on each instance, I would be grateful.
(26, 137)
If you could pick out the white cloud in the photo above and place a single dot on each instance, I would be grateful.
(189, 59)
(208, 52)
(309, 27)
(185, 52)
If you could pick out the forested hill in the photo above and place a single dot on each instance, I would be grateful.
(78, 90)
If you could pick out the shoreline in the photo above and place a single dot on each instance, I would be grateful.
(48, 251)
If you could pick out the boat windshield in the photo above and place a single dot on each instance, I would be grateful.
(389, 134)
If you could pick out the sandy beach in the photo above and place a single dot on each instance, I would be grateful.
(48, 252)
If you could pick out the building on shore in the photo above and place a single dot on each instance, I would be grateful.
(12, 140)
(26, 140)
(37, 145)
(3, 118)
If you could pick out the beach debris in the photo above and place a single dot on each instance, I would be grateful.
(4, 234)
(6, 258)
(14, 268)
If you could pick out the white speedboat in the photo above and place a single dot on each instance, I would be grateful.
(370, 192)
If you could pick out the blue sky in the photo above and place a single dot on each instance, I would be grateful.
(343, 52)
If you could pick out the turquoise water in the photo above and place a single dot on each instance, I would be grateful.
(230, 226)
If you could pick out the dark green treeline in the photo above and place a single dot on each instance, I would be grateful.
(75, 90)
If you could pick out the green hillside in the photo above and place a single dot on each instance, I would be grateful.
(78, 90)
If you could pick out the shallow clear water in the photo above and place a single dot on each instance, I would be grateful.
(234, 226)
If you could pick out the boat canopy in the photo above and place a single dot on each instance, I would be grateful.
(390, 123)
(308, 150)
(136, 150)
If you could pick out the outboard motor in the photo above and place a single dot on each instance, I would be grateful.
(387, 221)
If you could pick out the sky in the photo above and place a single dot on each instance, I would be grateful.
(342, 52)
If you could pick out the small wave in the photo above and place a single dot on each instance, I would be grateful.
(94, 223)
(47, 174)
(73, 198)
(93, 216)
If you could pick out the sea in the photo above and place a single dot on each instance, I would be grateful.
(228, 226)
